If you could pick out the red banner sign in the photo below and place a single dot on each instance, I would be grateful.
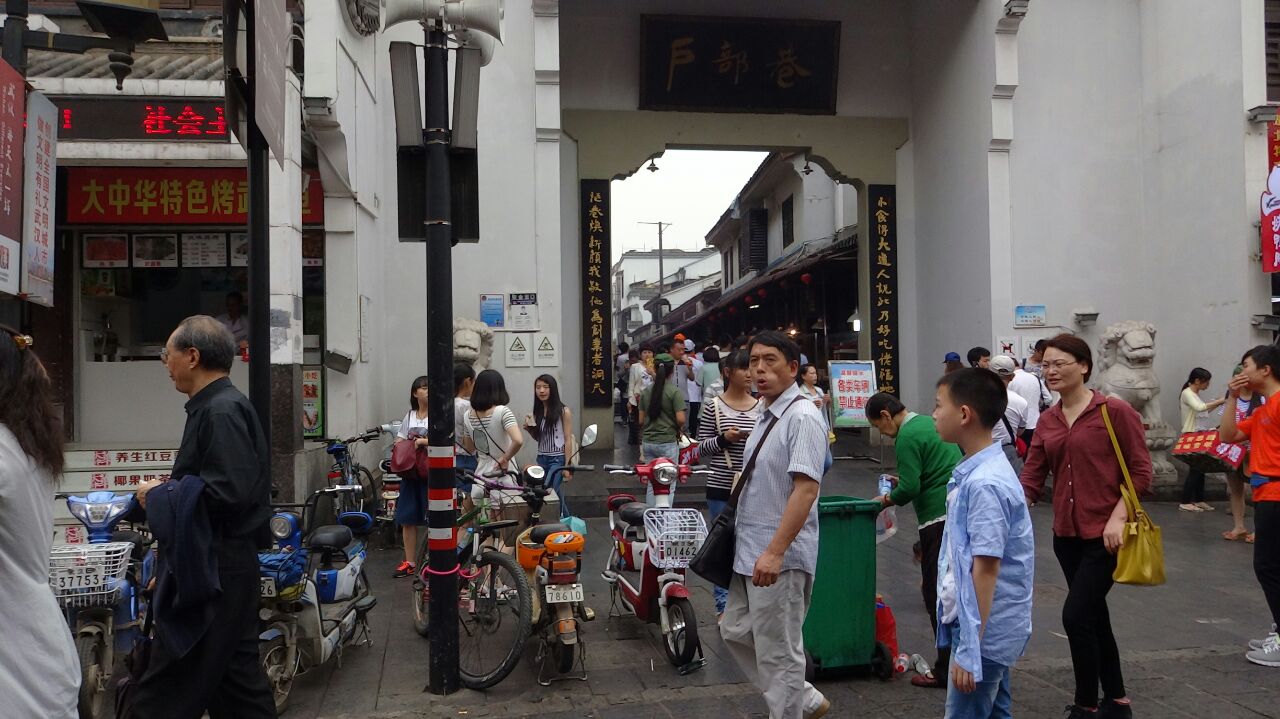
(1206, 444)
(1269, 228)
(171, 196)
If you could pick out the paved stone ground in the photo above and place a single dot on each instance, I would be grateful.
(1182, 643)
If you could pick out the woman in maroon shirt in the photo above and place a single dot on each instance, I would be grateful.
(1072, 443)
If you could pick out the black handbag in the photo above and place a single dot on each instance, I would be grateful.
(714, 560)
(136, 663)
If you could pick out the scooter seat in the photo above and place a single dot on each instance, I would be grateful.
(542, 531)
(632, 513)
(334, 537)
(618, 500)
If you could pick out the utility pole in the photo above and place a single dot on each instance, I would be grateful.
(661, 274)
(259, 227)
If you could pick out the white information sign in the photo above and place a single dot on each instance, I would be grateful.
(852, 384)
(38, 199)
(546, 350)
(523, 308)
(518, 352)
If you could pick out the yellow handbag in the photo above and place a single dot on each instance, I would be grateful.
(1140, 560)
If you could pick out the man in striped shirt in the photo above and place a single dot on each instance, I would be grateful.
(776, 552)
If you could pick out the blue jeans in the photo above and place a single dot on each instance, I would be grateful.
(468, 462)
(549, 463)
(714, 508)
(650, 451)
(989, 700)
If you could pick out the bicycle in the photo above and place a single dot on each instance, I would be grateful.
(347, 471)
(495, 600)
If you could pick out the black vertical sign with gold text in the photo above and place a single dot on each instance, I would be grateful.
(883, 206)
(597, 377)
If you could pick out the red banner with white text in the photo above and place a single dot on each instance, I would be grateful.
(172, 196)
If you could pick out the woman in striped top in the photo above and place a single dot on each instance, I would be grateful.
(723, 427)
(552, 425)
(492, 431)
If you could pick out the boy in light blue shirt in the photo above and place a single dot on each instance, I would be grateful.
(986, 568)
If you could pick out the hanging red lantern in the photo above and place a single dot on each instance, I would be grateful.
(748, 300)
(763, 293)
(733, 310)
(806, 278)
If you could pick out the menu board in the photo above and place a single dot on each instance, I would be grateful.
(102, 251)
(204, 249)
(155, 251)
(239, 249)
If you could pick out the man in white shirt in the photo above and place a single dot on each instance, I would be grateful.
(687, 366)
(1029, 387)
(1011, 427)
(234, 320)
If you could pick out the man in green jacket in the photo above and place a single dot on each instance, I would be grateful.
(925, 464)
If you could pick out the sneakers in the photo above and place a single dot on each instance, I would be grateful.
(1111, 710)
(1267, 655)
(1204, 506)
(821, 711)
(1190, 507)
(404, 570)
(1257, 643)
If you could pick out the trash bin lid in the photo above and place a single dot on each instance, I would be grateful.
(847, 505)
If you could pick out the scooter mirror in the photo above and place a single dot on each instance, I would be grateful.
(589, 436)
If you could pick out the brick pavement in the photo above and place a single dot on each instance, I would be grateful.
(1181, 644)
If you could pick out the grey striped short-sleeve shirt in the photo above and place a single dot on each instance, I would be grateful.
(797, 445)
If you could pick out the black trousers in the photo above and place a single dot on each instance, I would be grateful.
(1095, 657)
(633, 426)
(222, 673)
(1266, 553)
(930, 548)
(695, 408)
(1193, 488)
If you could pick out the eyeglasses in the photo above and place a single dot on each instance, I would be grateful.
(164, 354)
(1058, 365)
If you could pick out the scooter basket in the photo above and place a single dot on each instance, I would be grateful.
(287, 568)
(88, 575)
(674, 536)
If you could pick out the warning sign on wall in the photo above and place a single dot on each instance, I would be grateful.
(518, 349)
(546, 350)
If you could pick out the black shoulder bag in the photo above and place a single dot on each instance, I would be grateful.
(136, 664)
(714, 560)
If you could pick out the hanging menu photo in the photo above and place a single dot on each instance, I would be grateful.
(204, 249)
(239, 249)
(155, 251)
(103, 251)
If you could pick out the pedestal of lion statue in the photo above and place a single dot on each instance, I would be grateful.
(1126, 370)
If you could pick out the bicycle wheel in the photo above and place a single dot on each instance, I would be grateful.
(364, 478)
(421, 599)
(494, 620)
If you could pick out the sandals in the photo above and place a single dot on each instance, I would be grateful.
(1243, 536)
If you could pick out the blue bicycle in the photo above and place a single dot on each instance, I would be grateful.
(346, 471)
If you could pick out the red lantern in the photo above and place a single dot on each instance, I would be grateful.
(763, 293)
(733, 310)
(806, 278)
(748, 300)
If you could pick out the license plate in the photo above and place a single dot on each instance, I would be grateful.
(268, 586)
(685, 549)
(557, 593)
(88, 577)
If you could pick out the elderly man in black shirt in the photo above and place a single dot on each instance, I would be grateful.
(205, 656)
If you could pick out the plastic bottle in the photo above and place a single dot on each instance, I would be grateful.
(464, 541)
(921, 665)
(886, 486)
(900, 666)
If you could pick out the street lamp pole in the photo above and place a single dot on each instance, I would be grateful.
(442, 564)
(661, 226)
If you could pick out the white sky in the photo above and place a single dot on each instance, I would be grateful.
(691, 189)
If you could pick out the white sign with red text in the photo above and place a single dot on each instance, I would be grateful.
(852, 384)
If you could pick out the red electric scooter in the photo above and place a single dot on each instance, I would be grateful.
(657, 543)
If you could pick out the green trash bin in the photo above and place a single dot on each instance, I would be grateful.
(840, 629)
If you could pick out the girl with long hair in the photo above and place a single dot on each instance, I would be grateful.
(551, 424)
(411, 509)
(39, 675)
(662, 414)
(1192, 408)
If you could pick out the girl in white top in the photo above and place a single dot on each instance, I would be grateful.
(411, 510)
(808, 381)
(39, 671)
(492, 430)
(1192, 407)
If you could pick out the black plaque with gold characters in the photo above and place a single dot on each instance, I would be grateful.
(597, 379)
(883, 201)
(734, 64)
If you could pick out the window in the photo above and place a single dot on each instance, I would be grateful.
(788, 221)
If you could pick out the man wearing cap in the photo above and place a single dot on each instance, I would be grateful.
(687, 367)
(952, 362)
(1008, 431)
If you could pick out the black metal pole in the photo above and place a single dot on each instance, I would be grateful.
(259, 250)
(441, 540)
(15, 25)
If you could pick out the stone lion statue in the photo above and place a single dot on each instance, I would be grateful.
(1126, 370)
(472, 342)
